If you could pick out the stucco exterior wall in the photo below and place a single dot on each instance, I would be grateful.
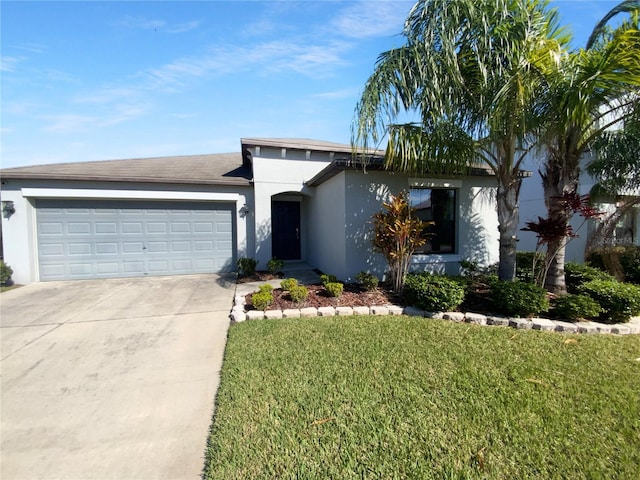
(19, 231)
(326, 233)
(277, 171)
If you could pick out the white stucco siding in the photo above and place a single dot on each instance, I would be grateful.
(274, 175)
(327, 226)
(20, 231)
(477, 224)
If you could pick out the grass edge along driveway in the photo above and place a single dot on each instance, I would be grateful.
(401, 397)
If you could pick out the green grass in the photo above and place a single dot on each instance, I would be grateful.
(401, 397)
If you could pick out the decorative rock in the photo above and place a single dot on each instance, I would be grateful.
(476, 318)
(395, 310)
(602, 328)
(498, 321)
(520, 323)
(634, 325)
(587, 327)
(272, 314)
(309, 312)
(326, 312)
(413, 312)
(434, 315)
(455, 316)
(255, 315)
(620, 329)
(543, 324)
(291, 313)
(565, 327)
(344, 311)
(239, 300)
(379, 310)
(238, 316)
(361, 310)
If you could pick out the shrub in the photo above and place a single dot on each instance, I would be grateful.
(334, 289)
(576, 307)
(262, 299)
(368, 280)
(288, 283)
(247, 266)
(274, 265)
(5, 272)
(299, 293)
(521, 299)
(325, 278)
(524, 265)
(265, 288)
(619, 301)
(629, 257)
(577, 274)
(432, 292)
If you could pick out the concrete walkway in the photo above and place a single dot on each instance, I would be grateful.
(111, 379)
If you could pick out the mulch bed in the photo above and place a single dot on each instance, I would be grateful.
(352, 296)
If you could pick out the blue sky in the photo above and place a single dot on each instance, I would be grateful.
(104, 80)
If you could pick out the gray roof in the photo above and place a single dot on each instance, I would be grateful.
(303, 144)
(216, 169)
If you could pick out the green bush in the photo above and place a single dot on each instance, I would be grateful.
(265, 288)
(5, 272)
(299, 293)
(334, 289)
(521, 299)
(576, 307)
(368, 280)
(629, 256)
(524, 265)
(288, 283)
(262, 299)
(247, 266)
(619, 301)
(432, 293)
(274, 265)
(577, 274)
(325, 278)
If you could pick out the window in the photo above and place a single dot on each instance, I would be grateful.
(436, 205)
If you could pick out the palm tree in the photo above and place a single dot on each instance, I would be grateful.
(590, 92)
(472, 70)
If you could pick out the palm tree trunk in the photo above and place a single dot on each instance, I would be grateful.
(560, 177)
(508, 217)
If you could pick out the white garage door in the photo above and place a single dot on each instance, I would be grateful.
(104, 239)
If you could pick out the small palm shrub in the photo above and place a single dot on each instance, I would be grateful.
(525, 263)
(619, 301)
(298, 293)
(520, 299)
(288, 283)
(368, 281)
(326, 278)
(577, 274)
(5, 272)
(247, 266)
(576, 307)
(334, 289)
(274, 265)
(432, 293)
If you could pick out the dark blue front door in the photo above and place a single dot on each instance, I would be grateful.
(285, 224)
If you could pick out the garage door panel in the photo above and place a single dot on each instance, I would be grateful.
(102, 239)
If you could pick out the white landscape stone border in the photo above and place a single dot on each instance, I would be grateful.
(238, 314)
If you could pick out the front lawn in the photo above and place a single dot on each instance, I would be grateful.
(403, 397)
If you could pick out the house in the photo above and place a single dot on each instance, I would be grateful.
(293, 199)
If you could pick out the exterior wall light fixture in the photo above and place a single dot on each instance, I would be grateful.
(8, 209)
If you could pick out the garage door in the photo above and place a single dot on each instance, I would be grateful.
(104, 239)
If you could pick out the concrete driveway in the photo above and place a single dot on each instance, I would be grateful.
(111, 379)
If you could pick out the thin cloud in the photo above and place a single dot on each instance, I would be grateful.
(184, 27)
(9, 64)
(337, 94)
(372, 19)
(140, 23)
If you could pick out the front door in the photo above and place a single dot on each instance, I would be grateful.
(285, 224)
